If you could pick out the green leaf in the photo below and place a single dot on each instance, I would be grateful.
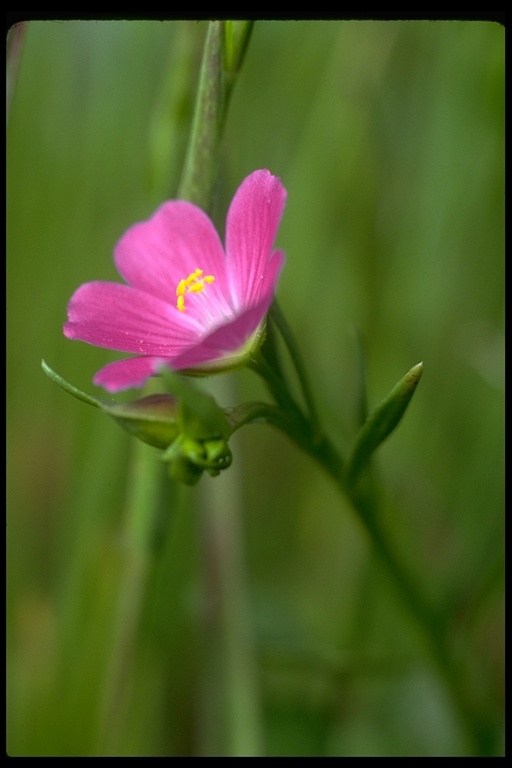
(381, 423)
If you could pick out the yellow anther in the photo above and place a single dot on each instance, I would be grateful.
(191, 284)
(192, 277)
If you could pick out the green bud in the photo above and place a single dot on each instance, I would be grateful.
(236, 40)
(218, 453)
(188, 424)
(180, 466)
(381, 423)
(188, 458)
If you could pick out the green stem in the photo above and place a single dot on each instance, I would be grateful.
(308, 437)
(433, 624)
(201, 164)
(232, 718)
(228, 646)
(296, 357)
(224, 51)
(146, 485)
(142, 507)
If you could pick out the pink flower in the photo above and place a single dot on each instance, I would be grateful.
(188, 303)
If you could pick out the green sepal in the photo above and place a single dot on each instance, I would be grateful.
(98, 402)
(152, 419)
(199, 417)
(187, 424)
(381, 423)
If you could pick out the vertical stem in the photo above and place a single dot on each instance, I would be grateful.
(201, 164)
(146, 484)
(142, 505)
(231, 723)
(432, 622)
(231, 716)
(296, 357)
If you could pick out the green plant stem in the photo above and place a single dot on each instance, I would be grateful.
(228, 642)
(296, 357)
(231, 704)
(217, 79)
(201, 164)
(432, 623)
(298, 427)
(142, 507)
(145, 488)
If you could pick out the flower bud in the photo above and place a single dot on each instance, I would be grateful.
(188, 424)
(188, 458)
(381, 423)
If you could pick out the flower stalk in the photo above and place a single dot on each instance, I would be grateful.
(143, 501)
(231, 643)
(224, 52)
(354, 481)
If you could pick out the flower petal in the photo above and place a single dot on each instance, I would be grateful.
(123, 374)
(120, 317)
(251, 227)
(156, 254)
(224, 348)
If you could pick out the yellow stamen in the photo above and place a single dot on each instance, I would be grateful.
(193, 277)
(191, 284)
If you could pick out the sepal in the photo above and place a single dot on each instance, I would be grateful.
(153, 419)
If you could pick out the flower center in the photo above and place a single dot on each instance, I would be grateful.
(194, 283)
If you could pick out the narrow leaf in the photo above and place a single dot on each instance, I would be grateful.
(381, 423)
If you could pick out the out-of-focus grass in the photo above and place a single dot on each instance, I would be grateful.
(389, 139)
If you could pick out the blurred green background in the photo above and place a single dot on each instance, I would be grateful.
(389, 137)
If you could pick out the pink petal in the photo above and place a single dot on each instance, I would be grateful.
(156, 254)
(123, 374)
(120, 317)
(251, 227)
(226, 341)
